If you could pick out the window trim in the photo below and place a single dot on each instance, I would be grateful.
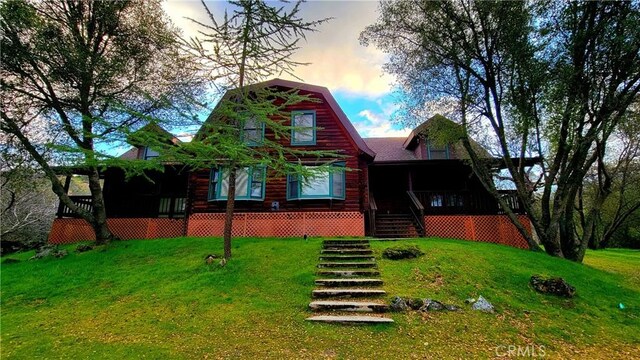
(293, 127)
(218, 185)
(329, 196)
(146, 151)
(253, 143)
(446, 150)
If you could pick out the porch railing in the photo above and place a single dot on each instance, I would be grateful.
(171, 207)
(373, 208)
(466, 202)
(83, 202)
(417, 210)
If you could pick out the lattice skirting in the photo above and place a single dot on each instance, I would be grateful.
(65, 231)
(281, 224)
(486, 228)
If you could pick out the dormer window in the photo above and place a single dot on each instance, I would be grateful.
(303, 125)
(149, 153)
(253, 132)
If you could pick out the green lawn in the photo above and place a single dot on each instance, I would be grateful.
(157, 299)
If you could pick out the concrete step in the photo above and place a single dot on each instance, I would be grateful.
(341, 319)
(348, 282)
(347, 257)
(346, 241)
(351, 306)
(345, 246)
(348, 273)
(348, 293)
(348, 251)
(345, 264)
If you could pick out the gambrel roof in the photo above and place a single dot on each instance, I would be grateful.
(330, 100)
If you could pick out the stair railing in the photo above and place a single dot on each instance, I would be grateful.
(372, 214)
(417, 210)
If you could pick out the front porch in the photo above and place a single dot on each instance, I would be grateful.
(402, 196)
(155, 195)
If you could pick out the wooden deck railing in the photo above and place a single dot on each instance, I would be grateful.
(466, 202)
(83, 202)
(171, 207)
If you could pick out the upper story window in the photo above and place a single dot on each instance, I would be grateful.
(437, 152)
(149, 153)
(253, 132)
(303, 130)
(250, 183)
(323, 185)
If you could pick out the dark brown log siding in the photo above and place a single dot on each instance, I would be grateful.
(330, 135)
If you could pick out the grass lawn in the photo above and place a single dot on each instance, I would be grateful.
(158, 299)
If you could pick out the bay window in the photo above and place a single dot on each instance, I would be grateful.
(329, 184)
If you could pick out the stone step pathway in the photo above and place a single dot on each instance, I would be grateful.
(348, 285)
(347, 251)
(357, 306)
(358, 246)
(348, 282)
(347, 257)
(338, 264)
(348, 273)
(350, 319)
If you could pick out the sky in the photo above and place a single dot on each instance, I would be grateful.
(352, 72)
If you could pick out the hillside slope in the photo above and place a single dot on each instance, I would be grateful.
(158, 299)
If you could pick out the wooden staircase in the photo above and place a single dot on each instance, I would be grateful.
(395, 226)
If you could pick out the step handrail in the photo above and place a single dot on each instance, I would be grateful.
(417, 210)
(373, 207)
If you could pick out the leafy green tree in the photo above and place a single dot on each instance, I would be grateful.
(92, 72)
(252, 42)
(548, 79)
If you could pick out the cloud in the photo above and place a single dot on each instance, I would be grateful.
(337, 60)
(373, 124)
(352, 72)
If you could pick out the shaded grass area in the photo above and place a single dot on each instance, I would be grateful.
(158, 299)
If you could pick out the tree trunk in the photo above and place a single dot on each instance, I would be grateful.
(97, 218)
(228, 220)
(99, 223)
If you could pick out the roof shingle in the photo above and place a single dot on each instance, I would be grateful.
(390, 149)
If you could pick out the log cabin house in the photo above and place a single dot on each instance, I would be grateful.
(400, 187)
